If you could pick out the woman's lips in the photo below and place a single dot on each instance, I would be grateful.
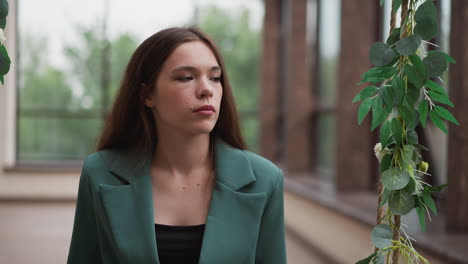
(205, 112)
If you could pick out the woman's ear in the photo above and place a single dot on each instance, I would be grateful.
(146, 95)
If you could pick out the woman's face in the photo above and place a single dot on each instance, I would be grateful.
(190, 78)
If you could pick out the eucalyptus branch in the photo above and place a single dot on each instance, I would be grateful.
(404, 70)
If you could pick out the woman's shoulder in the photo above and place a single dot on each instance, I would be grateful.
(100, 159)
(264, 169)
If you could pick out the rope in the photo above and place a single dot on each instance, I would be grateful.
(396, 237)
(380, 209)
(396, 218)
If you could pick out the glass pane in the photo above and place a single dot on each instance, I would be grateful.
(46, 138)
(329, 45)
(74, 60)
(326, 142)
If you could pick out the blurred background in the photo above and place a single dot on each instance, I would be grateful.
(293, 67)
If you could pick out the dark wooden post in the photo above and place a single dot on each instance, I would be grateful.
(457, 205)
(298, 156)
(270, 86)
(354, 143)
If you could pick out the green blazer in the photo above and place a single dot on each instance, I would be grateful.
(114, 217)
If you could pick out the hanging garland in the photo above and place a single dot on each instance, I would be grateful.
(404, 93)
(4, 58)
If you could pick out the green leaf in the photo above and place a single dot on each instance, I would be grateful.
(447, 57)
(381, 54)
(364, 109)
(395, 178)
(411, 187)
(441, 98)
(1, 79)
(413, 76)
(445, 114)
(380, 72)
(423, 111)
(387, 94)
(407, 115)
(436, 64)
(385, 133)
(435, 87)
(418, 65)
(426, 28)
(427, 199)
(400, 202)
(426, 11)
(382, 2)
(412, 95)
(4, 8)
(422, 217)
(371, 256)
(426, 21)
(3, 22)
(406, 159)
(365, 93)
(394, 36)
(371, 79)
(386, 162)
(408, 45)
(384, 197)
(399, 89)
(396, 5)
(4, 61)
(437, 121)
(4, 52)
(379, 259)
(439, 188)
(379, 113)
(397, 131)
(412, 137)
(381, 236)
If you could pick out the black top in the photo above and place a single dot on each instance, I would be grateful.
(179, 244)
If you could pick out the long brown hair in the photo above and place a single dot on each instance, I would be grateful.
(130, 125)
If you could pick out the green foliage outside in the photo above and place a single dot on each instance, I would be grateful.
(60, 108)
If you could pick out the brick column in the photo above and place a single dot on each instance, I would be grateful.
(299, 75)
(457, 200)
(354, 155)
(270, 80)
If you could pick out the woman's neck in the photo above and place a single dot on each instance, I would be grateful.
(183, 156)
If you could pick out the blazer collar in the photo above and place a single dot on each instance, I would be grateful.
(232, 167)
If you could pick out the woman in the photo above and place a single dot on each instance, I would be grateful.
(172, 181)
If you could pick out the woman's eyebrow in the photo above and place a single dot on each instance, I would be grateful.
(191, 68)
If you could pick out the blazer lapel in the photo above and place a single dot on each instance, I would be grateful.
(233, 220)
(129, 209)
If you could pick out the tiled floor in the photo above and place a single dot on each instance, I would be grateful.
(39, 233)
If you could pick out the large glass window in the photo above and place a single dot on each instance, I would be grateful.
(72, 55)
(328, 56)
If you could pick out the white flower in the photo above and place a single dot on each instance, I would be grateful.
(2, 36)
(379, 153)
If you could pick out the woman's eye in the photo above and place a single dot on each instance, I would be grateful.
(185, 78)
(216, 79)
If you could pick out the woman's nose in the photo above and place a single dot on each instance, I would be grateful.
(204, 88)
